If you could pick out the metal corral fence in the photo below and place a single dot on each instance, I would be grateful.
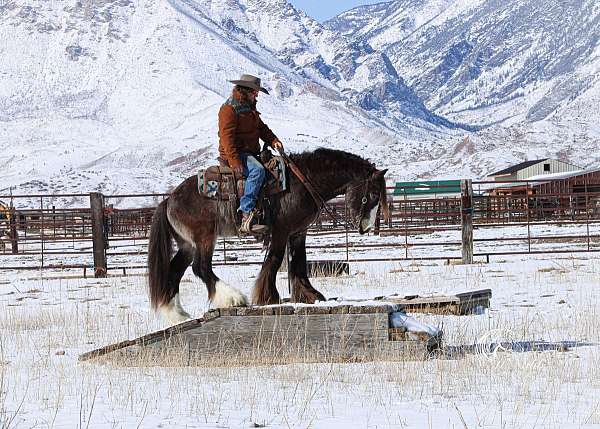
(110, 232)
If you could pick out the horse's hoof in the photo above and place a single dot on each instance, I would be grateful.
(176, 318)
(309, 297)
(267, 302)
(173, 313)
(227, 296)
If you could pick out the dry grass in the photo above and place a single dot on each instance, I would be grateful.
(493, 385)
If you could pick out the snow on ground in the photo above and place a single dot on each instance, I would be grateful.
(436, 242)
(491, 374)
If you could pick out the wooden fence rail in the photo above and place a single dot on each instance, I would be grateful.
(47, 231)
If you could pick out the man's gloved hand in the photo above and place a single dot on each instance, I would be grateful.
(277, 145)
(238, 170)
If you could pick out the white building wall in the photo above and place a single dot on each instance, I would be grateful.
(554, 166)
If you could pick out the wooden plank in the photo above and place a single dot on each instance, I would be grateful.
(312, 309)
(232, 342)
(292, 337)
(404, 350)
(282, 310)
(368, 309)
(254, 311)
(308, 309)
(265, 339)
(105, 350)
(230, 311)
(340, 309)
(460, 304)
(313, 323)
(481, 293)
(211, 314)
(153, 337)
(183, 355)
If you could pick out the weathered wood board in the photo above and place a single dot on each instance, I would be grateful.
(274, 334)
(460, 304)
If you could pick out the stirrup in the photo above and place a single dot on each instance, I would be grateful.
(247, 228)
(246, 222)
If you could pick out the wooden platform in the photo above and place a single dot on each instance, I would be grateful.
(460, 304)
(346, 331)
(274, 334)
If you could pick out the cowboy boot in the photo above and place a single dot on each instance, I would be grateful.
(249, 224)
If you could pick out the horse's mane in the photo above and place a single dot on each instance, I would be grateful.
(332, 160)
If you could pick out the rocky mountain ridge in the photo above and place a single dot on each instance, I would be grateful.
(122, 95)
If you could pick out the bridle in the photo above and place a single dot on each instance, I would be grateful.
(319, 200)
(363, 202)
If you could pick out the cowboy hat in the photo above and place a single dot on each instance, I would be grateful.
(249, 81)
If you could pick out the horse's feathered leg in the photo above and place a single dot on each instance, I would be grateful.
(220, 294)
(265, 289)
(173, 311)
(302, 290)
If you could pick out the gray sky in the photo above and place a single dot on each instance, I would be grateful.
(321, 10)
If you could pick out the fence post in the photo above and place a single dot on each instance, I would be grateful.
(466, 220)
(12, 231)
(98, 237)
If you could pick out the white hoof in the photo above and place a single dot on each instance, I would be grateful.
(173, 313)
(227, 296)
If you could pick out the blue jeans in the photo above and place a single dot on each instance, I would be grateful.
(255, 174)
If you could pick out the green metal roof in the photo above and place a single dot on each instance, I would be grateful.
(427, 187)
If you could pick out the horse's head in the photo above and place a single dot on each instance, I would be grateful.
(364, 197)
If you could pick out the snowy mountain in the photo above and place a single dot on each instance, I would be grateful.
(319, 55)
(488, 62)
(122, 95)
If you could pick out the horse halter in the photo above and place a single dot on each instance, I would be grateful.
(363, 203)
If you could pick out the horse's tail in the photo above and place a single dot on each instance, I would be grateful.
(159, 257)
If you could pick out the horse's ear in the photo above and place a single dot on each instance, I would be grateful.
(380, 173)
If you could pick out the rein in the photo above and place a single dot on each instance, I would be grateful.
(319, 201)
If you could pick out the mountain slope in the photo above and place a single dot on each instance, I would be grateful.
(365, 76)
(123, 95)
(484, 61)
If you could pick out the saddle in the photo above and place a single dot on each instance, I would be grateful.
(217, 182)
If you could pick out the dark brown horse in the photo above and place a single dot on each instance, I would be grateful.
(195, 223)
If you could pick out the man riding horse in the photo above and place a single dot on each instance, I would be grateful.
(194, 220)
(240, 128)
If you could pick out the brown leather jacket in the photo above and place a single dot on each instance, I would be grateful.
(240, 127)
